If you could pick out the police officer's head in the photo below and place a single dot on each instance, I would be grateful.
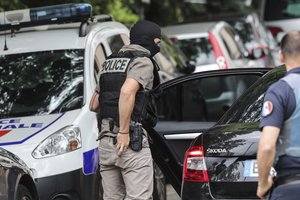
(147, 34)
(290, 45)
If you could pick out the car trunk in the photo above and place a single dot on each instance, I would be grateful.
(230, 153)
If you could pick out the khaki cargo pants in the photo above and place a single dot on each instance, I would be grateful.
(129, 176)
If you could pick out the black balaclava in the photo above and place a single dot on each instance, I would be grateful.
(143, 33)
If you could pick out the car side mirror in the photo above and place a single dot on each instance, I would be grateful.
(279, 37)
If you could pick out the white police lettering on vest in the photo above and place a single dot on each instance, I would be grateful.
(115, 65)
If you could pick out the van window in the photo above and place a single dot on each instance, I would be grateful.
(115, 42)
(38, 83)
(284, 9)
(100, 56)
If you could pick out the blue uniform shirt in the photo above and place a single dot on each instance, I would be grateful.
(279, 105)
(282, 103)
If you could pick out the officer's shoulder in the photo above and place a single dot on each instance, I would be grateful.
(279, 86)
(142, 59)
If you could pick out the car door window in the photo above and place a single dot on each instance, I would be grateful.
(229, 38)
(202, 99)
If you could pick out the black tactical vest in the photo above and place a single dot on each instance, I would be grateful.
(113, 75)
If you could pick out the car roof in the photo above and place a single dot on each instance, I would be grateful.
(201, 27)
(58, 36)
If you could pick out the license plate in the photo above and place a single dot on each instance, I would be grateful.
(250, 169)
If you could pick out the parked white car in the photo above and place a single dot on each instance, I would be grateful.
(212, 45)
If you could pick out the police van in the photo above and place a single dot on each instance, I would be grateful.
(49, 61)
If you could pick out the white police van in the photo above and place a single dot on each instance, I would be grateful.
(49, 58)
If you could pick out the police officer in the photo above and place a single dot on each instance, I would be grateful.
(279, 144)
(127, 172)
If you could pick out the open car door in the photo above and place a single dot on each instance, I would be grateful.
(190, 105)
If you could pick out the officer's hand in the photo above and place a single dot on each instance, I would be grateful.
(122, 143)
(262, 190)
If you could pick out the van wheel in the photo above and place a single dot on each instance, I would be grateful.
(159, 189)
(23, 193)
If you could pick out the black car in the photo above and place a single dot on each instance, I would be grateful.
(221, 163)
(16, 182)
(189, 106)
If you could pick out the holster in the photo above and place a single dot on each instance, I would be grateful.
(136, 136)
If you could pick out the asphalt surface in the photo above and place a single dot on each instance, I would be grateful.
(171, 194)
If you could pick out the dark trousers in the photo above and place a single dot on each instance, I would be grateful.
(289, 191)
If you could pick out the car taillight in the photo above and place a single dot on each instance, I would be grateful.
(220, 58)
(275, 30)
(172, 38)
(194, 168)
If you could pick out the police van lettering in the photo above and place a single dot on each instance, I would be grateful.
(115, 65)
(16, 123)
(14, 126)
(18, 130)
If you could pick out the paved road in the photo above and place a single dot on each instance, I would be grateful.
(171, 194)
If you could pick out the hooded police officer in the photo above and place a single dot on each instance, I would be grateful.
(126, 162)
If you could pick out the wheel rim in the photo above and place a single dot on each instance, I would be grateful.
(25, 198)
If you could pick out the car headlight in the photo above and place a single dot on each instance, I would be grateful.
(62, 141)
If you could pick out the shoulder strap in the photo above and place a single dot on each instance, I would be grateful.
(156, 68)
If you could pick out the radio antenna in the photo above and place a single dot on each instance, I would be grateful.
(5, 45)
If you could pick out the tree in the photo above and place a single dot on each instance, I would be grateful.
(6, 5)
(125, 11)
(164, 12)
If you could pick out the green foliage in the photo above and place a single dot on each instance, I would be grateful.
(121, 12)
(164, 12)
(6, 5)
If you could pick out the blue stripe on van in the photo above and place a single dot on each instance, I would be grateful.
(90, 161)
(30, 136)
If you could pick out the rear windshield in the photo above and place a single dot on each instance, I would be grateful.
(282, 9)
(174, 58)
(198, 50)
(40, 83)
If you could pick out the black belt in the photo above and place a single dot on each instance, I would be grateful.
(113, 137)
(287, 179)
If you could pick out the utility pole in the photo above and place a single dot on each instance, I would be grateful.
(142, 8)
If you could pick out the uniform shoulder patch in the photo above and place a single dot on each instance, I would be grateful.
(267, 108)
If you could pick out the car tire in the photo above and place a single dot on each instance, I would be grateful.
(160, 188)
(23, 193)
